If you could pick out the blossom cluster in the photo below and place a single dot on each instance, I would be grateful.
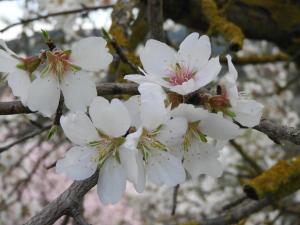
(156, 136)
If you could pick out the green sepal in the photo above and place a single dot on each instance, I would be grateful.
(228, 112)
(52, 131)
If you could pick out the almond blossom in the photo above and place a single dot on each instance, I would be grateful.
(199, 156)
(68, 71)
(156, 134)
(98, 145)
(182, 72)
(247, 112)
(18, 79)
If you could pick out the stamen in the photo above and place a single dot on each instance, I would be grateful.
(180, 74)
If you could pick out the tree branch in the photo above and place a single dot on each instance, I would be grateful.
(62, 13)
(64, 203)
(238, 213)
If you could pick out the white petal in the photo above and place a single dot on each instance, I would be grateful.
(172, 133)
(194, 52)
(153, 110)
(219, 128)
(137, 78)
(19, 83)
(232, 71)
(208, 73)
(164, 168)
(78, 89)
(202, 158)
(185, 88)
(133, 163)
(190, 112)
(248, 112)
(91, 54)
(4, 46)
(43, 95)
(113, 118)
(79, 128)
(79, 163)
(7, 63)
(157, 57)
(133, 105)
(112, 182)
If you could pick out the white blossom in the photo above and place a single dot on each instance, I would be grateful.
(98, 145)
(198, 156)
(182, 72)
(156, 134)
(247, 112)
(68, 71)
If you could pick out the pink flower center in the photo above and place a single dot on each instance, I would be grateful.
(180, 74)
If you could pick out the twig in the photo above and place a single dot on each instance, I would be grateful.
(174, 203)
(67, 12)
(33, 134)
(246, 157)
(238, 213)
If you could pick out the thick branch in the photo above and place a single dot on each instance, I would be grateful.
(62, 13)
(65, 203)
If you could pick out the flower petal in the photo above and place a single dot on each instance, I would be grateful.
(111, 182)
(194, 52)
(132, 160)
(113, 118)
(164, 168)
(219, 128)
(157, 57)
(172, 134)
(7, 49)
(78, 163)
(248, 112)
(79, 128)
(185, 88)
(43, 95)
(202, 158)
(78, 89)
(190, 112)
(153, 110)
(7, 63)
(19, 82)
(91, 54)
(208, 73)
(133, 105)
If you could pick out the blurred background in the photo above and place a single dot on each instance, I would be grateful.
(262, 36)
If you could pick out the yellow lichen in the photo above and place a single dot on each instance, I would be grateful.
(280, 180)
(220, 25)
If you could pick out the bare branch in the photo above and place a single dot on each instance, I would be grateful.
(16, 107)
(33, 134)
(62, 205)
(62, 13)
(279, 132)
(238, 213)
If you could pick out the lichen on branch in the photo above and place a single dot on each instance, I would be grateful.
(279, 181)
(220, 25)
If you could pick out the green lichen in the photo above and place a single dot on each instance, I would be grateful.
(220, 25)
(280, 180)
